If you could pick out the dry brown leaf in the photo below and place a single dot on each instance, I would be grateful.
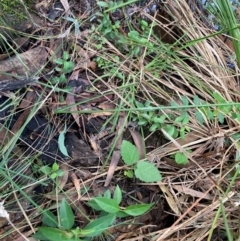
(61, 181)
(116, 154)
(171, 202)
(139, 142)
(84, 59)
(28, 100)
(192, 192)
(76, 184)
(70, 100)
(25, 64)
(23, 117)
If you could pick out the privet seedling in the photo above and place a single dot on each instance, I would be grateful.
(53, 172)
(143, 170)
(62, 228)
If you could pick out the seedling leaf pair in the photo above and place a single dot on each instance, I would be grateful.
(143, 170)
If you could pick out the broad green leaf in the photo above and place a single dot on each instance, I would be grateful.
(49, 219)
(45, 169)
(59, 61)
(117, 194)
(171, 130)
(154, 127)
(102, 4)
(39, 236)
(98, 226)
(142, 122)
(185, 100)
(68, 67)
(196, 100)
(106, 204)
(129, 152)
(174, 104)
(220, 117)
(185, 119)
(65, 55)
(128, 173)
(137, 209)
(53, 175)
(179, 119)
(66, 215)
(61, 143)
(199, 117)
(219, 98)
(210, 114)
(92, 203)
(55, 167)
(147, 172)
(53, 234)
(107, 194)
(181, 158)
(122, 214)
(159, 120)
(139, 104)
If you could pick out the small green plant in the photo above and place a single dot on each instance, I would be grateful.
(53, 172)
(143, 170)
(172, 124)
(65, 66)
(63, 229)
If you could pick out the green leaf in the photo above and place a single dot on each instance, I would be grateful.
(68, 67)
(61, 143)
(66, 215)
(49, 219)
(102, 4)
(55, 167)
(53, 234)
(92, 203)
(147, 172)
(106, 204)
(129, 152)
(117, 194)
(65, 55)
(184, 100)
(46, 170)
(137, 209)
(154, 127)
(199, 117)
(179, 119)
(181, 158)
(98, 226)
(196, 100)
(128, 173)
(159, 120)
(185, 119)
(142, 122)
(220, 117)
(121, 214)
(59, 61)
(210, 114)
(107, 194)
(219, 98)
(171, 130)
(53, 175)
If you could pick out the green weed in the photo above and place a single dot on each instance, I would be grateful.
(143, 170)
(62, 228)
